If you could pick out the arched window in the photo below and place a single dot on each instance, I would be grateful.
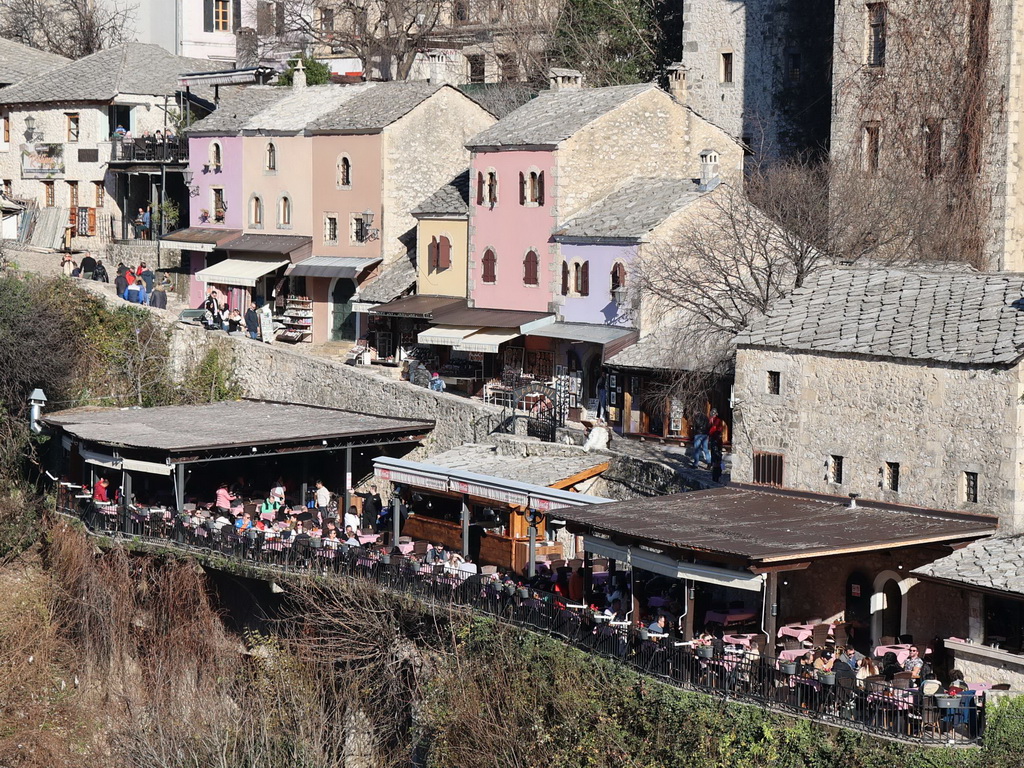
(492, 187)
(284, 213)
(531, 188)
(531, 265)
(490, 263)
(487, 188)
(271, 157)
(581, 278)
(618, 282)
(344, 172)
(565, 278)
(256, 212)
(216, 156)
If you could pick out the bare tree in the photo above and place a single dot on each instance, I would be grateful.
(71, 28)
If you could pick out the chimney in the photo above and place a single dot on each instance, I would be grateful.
(708, 170)
(677, 81)
(853, 501)
(36, 401)
(564, 79)
(246, 48)
(299, 76)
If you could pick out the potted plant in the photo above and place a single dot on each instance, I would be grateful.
(827, 678)
(705, 651)
(643, 633)
(524, 593)
(945, 701)
(788, 667)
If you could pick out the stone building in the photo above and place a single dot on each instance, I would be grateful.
(760, 71)
(903, 387)
(18, 62)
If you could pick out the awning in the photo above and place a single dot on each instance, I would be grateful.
(417, 306)
(282, 244)
(204, 239)
(487, 340)
(674, 569)
(241, 272)
(445, 335)
(117, 463)
(596, 334)
(494, 318)
(330, 266)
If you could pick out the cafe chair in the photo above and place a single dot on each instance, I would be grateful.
(819, 635)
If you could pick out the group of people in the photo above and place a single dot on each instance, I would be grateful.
(137, 285)
(219, 316)
(90, 269)
(143, 223)
(708, 441)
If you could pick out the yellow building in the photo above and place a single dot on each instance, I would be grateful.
(442, 240)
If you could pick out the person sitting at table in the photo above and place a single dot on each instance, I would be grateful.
(244, 523)
(99, 491)
(849, 657)
(806, 665)
(868, 668)
(929, 684)
(657, 627)
(350, 536)
(331, 540)
(914, 662)
(454, 560)
(352, 518)
(221, 520)
(823, 661)
(890, 667)
(223, 499)
(269, 507)
(435, 555)
(614, 611)
(957, 685)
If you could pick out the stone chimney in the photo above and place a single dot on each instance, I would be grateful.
(677, 81)
(709, 178)
(247, 48)
(299, 76)
(564, 79)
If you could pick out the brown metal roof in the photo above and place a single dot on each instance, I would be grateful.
(772, 526)
(488, 318)
(418, 306)
(186, 428)
(268, 243)
(203, 235)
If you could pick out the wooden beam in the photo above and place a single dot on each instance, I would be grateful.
(579, 477)
(780, 568)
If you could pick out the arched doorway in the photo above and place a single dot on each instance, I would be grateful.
(889, 605)
(858, 607)
(892, 610)
(343, 320)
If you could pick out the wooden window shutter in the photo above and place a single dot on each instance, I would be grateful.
(236, 15)
(489, 266)
(480, 189)
(444, 254)
(522, 188)
(565, 278)
(432, 261)
(207, 15)
(540, 188)
(585, 279)
(92, 221)
(530, 268)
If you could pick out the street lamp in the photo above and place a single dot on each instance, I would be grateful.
(30, 128)
(368, 218)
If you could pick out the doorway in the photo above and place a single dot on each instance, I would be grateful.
(891, 620)
(343, 320)
(858, 608)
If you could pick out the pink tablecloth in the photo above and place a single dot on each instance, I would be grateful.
(800, 631)
(743, 640)
(732, 617)
(902, 651)
(792, 655)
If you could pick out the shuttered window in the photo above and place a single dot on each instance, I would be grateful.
(490, 262)
(565, 278)
(530, 269)
(444, 254)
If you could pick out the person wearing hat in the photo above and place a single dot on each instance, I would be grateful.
(437, 383)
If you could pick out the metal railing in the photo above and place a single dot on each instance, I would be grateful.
(873, 707)
(149, 150)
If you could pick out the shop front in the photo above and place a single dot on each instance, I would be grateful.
(318, 307)
(199, 247)
(394, 328)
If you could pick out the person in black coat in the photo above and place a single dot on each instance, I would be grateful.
(88, 266)
(120, 284)
(100, 272)
(252, 321)
(371, 508)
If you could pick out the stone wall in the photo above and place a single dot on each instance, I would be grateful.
(937, 422)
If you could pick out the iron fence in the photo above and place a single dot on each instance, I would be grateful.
(878, 708)
(149, 150)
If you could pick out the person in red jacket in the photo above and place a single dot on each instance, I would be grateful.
(99, 491)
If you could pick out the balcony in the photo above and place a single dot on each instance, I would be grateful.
(149, 150)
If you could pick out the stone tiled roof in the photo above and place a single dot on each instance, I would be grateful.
(633, 210)
(659, 350)
(536, 470)
(237, 107)
(300, 107)
(450, 200)
(19, 61)
(554, 116)
(393, 281)
(993, 563)
(951, 317)
(375, 108)
(134, 68)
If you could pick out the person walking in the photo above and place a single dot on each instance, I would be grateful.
(147, 223)
(158, 298)
(701, 450)
(67, 265)
(602, 397)
(252, 321)
(120, 283)
(99, 272)
(437, 383)
(88, 266)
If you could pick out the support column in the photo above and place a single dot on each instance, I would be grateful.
(179, 486)
(588, 575)
(348, 484)
(688, 621)
(465, 528)
(126, 497)
(396, 522)
(305, 478)
(771, 611)
(531, 558)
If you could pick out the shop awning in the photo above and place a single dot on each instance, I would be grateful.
(668, 566)
(203, 239)
(487, 340)
(241, 272)
(331, 266)
(117, 463)
(445, 335)
(596, 334)
(494, 318)
(283, 245)
(417, 306)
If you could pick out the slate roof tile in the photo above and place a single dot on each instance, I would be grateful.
(18, 61)
(994, 563)
(633, 210)
(451, 200)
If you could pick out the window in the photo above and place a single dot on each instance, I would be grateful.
(876, 34)
(73, 127)
(218, 205)
(73, 204)
(531, 269)
(100, 193)
(492, 187)
(48, 196)
(476, 68)
(490, 263)
(793, 66)
(1004, 619)
(774, 382)
(932, 130)
(326, 19)
(256, 212)
(871, 146)
(726, 68)
(271, 161)
(509, 67)
(439, 254)
(892, 476)
(531, 188)
(344, 172)
(565, 278)
(835, 469)
(357, 228)
(284, 212)
(216, 156)
(6, 120)
(487, 188)
(971, 487)
(269, 18)
(581, 278)
(8, 187)
(768, 468)
(331, 228)
(461, 11)
(619, 283)
(221, 15)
